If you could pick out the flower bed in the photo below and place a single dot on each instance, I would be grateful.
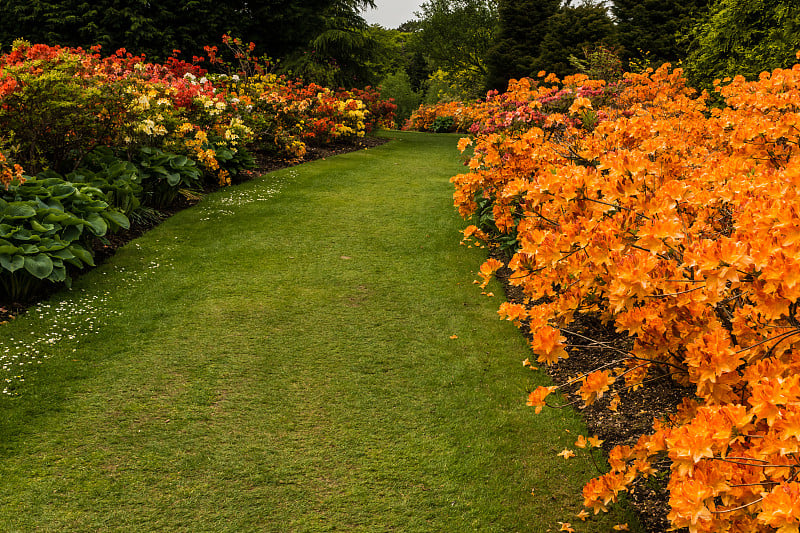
(128, 136)
(675, 225)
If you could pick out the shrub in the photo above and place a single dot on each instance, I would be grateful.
(677, 225)
(45, 225)
(397, 87)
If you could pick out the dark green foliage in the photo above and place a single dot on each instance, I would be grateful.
(417, 70)
(654, 26)
(744, 38)
(454, 38)
(163, 174)
(398, 87)
(118, 179)
(279, 27)
(599, 63)
(336, 52)
(443, 124)
(571, 32)
(522, 27)
(152, 28)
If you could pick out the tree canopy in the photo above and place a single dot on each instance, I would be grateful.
(280, 28)
(522, 26)
(744, 38)
(572, 32)
(652, 27)
(454, 37)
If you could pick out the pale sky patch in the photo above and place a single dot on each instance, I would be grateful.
(391, 13)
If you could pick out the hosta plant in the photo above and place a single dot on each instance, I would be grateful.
(45, 228)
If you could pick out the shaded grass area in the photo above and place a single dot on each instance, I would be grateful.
(279, 358)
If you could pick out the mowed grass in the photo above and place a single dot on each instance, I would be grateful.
(279, 358)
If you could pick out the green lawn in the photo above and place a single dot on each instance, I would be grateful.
(279, 358)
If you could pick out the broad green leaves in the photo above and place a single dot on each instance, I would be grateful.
(45, 225)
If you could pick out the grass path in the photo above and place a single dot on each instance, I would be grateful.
(279, 358)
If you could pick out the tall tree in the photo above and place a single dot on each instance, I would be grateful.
(744, 38)
(652, 27)
(339, 50)
(571, 32)
(454, 37)
(154, 29)
(522, 27)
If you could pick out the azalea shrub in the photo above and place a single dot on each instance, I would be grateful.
(677, 224)
(57, 104)
(526, 102)
(445, 117)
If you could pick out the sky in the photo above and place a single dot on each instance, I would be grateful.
(391, 13)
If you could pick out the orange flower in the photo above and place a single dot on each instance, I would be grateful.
(548, 344)
(566, 454)
(537, 398)
(595, 385)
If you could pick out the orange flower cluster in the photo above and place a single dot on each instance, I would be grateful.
(461, 117)
(679, 225)
(9, 173)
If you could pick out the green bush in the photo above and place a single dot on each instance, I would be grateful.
(163, 174)
(398, 87)
(443, 124)
(45, 225)
(117, 178)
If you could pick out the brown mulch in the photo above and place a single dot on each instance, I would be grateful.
(634, 415)
(105, 248)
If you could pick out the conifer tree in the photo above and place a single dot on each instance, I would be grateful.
(571, 32)
(522, 27)
(653, 28)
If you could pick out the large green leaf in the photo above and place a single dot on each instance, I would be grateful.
(72, 232)
(29, 249)
(117, 218)
(63, 254)
(179, 161)
(42, 228)
(62, 190)
(97, 224)
(18, 211)
(24, 234)
(81, 253)
(58, 274)
(12, 263)
(60, 216)
(9, 249)
(50, 245)
(39, 266)
(7, 230)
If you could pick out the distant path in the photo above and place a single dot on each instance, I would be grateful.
(304, 352)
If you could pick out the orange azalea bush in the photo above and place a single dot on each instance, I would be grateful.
(9, 172)
(442, 117)
(680, 226)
